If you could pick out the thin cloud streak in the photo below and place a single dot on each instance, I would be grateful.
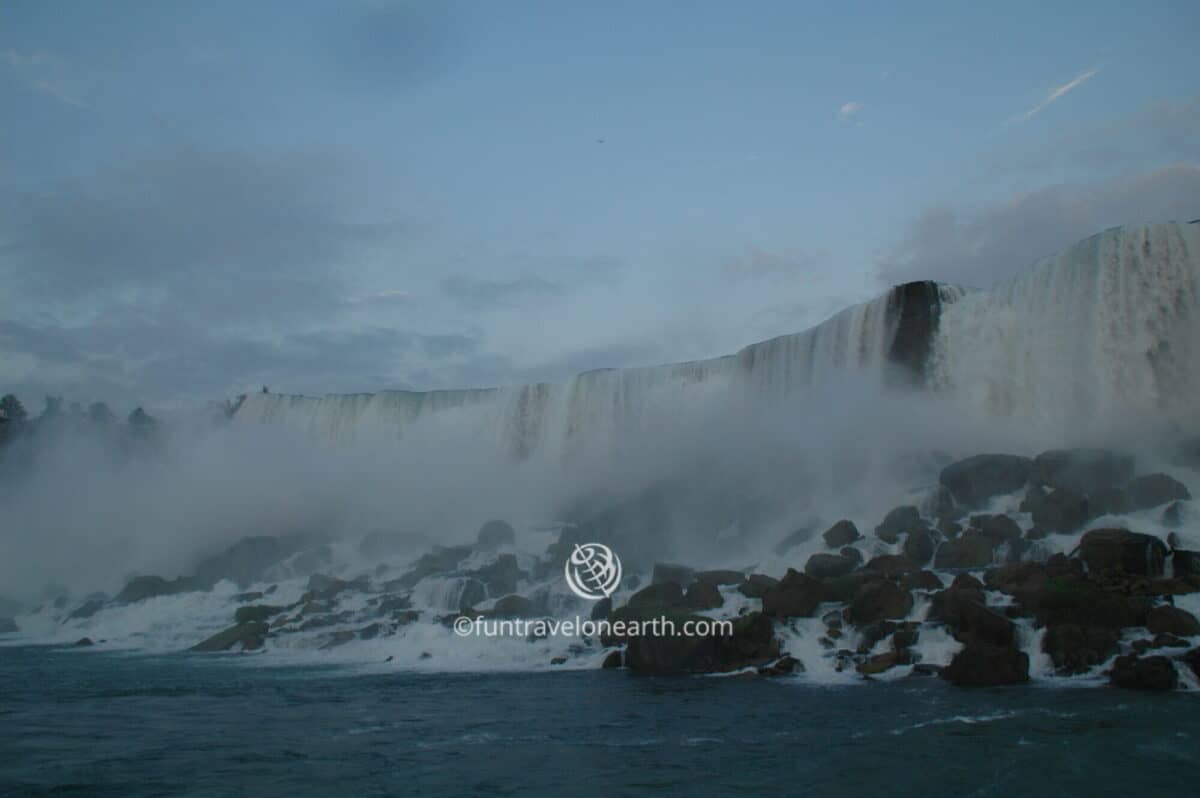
(1055, 94)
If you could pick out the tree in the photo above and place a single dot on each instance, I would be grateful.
(99, 413)
(53, 407)
(12, 409)
(140, 419)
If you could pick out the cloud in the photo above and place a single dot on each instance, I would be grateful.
(759, 262)
(31, 69)
(1056, 93)
(977, 248)
(480, 294)
(849, 111)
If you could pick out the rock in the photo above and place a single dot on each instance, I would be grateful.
(881, 662)
(976, 479)
(897, 522)
(905, 636)
(1036, 533)
(250, 635)
(1063, 510)
(1120, 550)
(983, 665)
(1185, 563)
(796, 595)
(246, 598)
(971, 550)
(602, 608)
(667, 572)
(826, 566)
(1143, 673)
(83, 642)
(966, 582)
(612, 661)
(245, 562)
(338, 638)
(752, 644)
(757, 585)
(500, 577)
(322, 588)
(878, 600)
(1075, 649)
(1173, 621)
(872, 633)
(843, 533)
(996, 528)
(1081, 602)
(370, 631)
(919, 546)
(784, 666)
(851, 553)
(1192, 660)
(949, 529)
(1169, 641)
(473, 592)
(313, 560)
(382, 544)
(940, 505)
(440, 560)
(1152, 490)
(720, 577)
(141, 588)
(921, 580)
(1034, 495)
(965, 611)
(390, 603)
(703, 596)
(259, 612)
(660, 595)
(8, 626)
(794, 539)
(558, 660)
(514, 606)
(892, 566)
(495, 534)
(1081, 470)
(88, 608)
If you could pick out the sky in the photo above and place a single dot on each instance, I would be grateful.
(197, 199)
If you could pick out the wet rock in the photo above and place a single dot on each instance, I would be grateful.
(949, 529)
(851, 553)
(370, 631)
(249, 635)
(89, 608)
(843, 533)
(892, 566)
(721, 577)
(338, 638)
(919, 546)
(1075, 649)
(1173, 515)
(473, 592)
(921, 580)
(1034, 495)
(440, 560)
(602, 608)
(1192, 660)
(872, 633)
(983, 665)
(1169, 641)
(1063, 510)
(1081, 602)
(313, 560)
(878, 600)
(1082, 470)
(897, 522)
(1120, 550)
(1173, 621)
(514, 606)
(558, 660)
(1109, 501)
(1036, 533)
(8, 626)
(495, 534)
(392, 602)
(996, 528)
(966, 582)
(246, 561)
(784, 666)
(661, 595)
(827, 566)
(881, 662)
(757, 585)
(1185, 563)
(796, 595)
(1152, 490)
(1144, 673)
(976, 479)
(971, 550)
(612, 661)
(940, 505)
(259, 612)
(500, 577)
(246, 598)
(405, 617)
(703, 596)
(667, 572)
(905, 636)
(83, 642)
(752, 644)
(965, 612)
(322, 587)
(141, 588)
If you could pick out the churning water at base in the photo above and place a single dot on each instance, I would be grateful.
(134, 725)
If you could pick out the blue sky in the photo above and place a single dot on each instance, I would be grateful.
(200, 198)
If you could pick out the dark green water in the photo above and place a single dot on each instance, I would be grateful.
(84, 723)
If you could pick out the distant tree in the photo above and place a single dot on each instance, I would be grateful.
(140, 419)
(99, 413)
(12, 409)
(53, 407)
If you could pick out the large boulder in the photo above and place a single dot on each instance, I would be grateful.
(752, 644)
(827, 566)
(1119, 550)
(1075, 649)
(996, 528)
(984, 665)
(1079, 601)
(250, 635)
(897, 522)
(501, 576)
(757, 585)
(514, 606)
(246, 561)
(494, 534)
(1172, 621)
(892, 566)
(976, 479)
(1081, 470)
(1144, 673)
(843, 533)
(919, 546)
(660, 595)
(703, 596)
(880, 599)
(796, 595)
(721, 577)
(1062, 510)
(141, 588)
(667, 572)
(1152, 490)
(440, 560)
(969, 550)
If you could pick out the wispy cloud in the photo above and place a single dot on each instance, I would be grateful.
(849, 111)
(1054, 94)
(31, 68)
(58, 92)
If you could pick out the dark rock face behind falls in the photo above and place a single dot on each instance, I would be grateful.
(914, 309)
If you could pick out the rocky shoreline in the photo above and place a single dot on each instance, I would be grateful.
(946, 566)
